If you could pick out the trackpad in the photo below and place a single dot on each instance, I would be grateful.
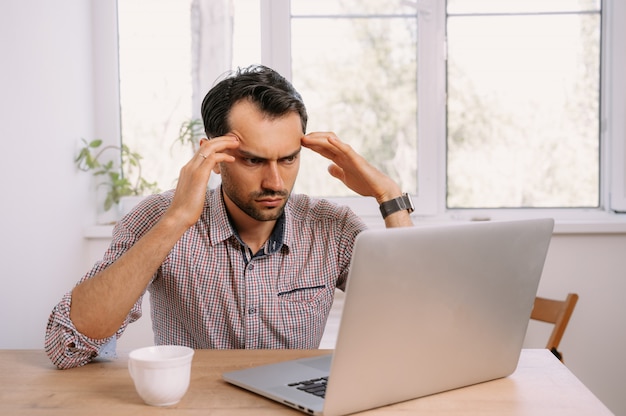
(320, 363)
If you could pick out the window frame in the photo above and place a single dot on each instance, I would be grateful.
(613, 95)
(430, 202)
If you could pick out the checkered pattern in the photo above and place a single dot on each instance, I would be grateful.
(209, 294)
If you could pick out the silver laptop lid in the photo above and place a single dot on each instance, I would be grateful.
(432, 308)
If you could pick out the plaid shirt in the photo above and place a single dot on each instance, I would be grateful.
(211, 292)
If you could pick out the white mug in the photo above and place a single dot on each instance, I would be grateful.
(161, 373)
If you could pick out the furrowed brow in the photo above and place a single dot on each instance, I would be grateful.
(249, 155)
(294, 154)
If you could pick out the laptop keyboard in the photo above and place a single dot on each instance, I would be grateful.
(316, 386)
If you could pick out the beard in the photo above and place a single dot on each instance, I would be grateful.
(247, 203)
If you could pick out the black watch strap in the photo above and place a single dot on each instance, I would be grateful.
(400, 203)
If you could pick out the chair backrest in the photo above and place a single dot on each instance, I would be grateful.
(557, 312)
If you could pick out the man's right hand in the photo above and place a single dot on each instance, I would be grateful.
(194, 177)
(101, 304)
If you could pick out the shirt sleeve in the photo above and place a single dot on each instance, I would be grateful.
(64, 344)
(67, 347)
(351, 226)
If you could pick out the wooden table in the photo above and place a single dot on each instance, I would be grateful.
(30, 385)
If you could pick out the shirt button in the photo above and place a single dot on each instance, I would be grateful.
(251, 267)
(251, 311)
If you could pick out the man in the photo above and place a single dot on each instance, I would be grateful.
(247, 265)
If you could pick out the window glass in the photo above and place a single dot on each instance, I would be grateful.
(350, 7)
(155, 83)
(357, 75)
(246, 33)
(523, 105)
(156, 86)
(521, 6)
(523, 85)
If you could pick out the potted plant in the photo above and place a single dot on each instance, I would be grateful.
(117, 183)
(190, 133)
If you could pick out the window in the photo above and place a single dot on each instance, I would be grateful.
(155, 82)
(358, 76)
(167, 63)
(523, 113)
(468, 104)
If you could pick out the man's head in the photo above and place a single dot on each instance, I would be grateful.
(268, 117)
(267, 89)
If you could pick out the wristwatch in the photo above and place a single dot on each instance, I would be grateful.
(397, 204)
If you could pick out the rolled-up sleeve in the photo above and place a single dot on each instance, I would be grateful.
(68, 348)
(64, 344)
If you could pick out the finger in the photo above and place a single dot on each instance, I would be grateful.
(216, 150)
(322, 143)
(318, 138)
(344, 148)
(336, 172)
(219, 144)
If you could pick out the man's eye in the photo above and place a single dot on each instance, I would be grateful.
(252, 161)
(289, 160)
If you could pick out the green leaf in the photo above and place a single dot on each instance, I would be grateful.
(95, 143)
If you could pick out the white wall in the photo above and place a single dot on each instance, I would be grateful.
(594, 266)
(47, 105)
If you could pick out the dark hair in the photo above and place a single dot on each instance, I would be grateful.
(270, 91)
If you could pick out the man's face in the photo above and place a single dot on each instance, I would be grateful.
(259, 181)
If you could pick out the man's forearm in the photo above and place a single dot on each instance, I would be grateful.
(399, 219)
(100, 304)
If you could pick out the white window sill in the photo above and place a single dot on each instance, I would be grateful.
(567, 222)
(98, 232)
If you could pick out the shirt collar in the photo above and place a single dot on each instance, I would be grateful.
(275, 242)
(221, 228)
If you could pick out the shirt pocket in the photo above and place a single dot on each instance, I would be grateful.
(304, 308)
(302, 294)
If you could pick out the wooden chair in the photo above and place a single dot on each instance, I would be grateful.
(556, 312)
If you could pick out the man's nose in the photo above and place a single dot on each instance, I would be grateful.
(273, 179)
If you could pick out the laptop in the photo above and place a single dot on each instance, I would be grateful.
(427, 309)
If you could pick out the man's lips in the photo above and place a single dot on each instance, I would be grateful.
(270, 202)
